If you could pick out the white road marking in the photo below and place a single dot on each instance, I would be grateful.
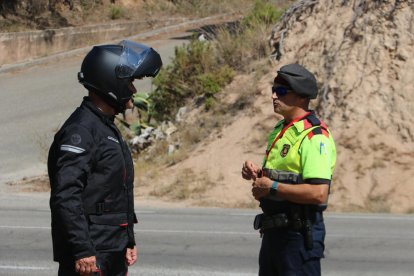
(147, 230)
(369, 216)
(15, 267)
(244, 214)
(24, 227)
(195, 232)
(144, 270)
(145, 212)
(163, 271)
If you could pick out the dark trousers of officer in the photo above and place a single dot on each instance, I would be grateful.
(283, 252)
(109, 264)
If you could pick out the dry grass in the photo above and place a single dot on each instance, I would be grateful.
(199, 127)
(242, 48)
(377, 204)
(187, 185)
(32, 184)
(196, 8)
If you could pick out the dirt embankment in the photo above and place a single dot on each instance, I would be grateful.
(362, 54)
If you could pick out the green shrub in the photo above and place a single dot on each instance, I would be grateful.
(212, 82)
(115, 12)
(203, 68)
(195, 71)
(209, 103)
(263, 13)
(239, 47)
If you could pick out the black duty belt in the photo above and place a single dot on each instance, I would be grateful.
(264, 222)
(281, 220)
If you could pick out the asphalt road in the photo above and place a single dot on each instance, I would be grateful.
(204, 241)
(37, 100)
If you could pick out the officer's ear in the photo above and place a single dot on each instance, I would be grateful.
(304, 100)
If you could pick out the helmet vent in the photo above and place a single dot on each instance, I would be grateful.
(81, 77)
(113, 95)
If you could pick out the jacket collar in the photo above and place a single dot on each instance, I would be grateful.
(88, 104)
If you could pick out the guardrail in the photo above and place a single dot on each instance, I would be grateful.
(23, 46)
(18, 50)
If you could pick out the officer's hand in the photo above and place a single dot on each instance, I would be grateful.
(261, 187)
(249, 170)
(131, 255)
(86, 266)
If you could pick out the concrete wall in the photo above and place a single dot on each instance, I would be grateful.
(24, 46)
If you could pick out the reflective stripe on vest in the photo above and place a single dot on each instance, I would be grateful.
(283, 176)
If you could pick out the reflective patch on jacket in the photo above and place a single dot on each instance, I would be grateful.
(71, 149)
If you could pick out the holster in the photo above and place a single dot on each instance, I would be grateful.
(307, 229)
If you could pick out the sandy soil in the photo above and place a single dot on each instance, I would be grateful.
(364, 58)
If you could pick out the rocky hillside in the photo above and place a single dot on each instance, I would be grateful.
(362, 54)
(18, 15)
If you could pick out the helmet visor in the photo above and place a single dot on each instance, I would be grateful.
(131, 58)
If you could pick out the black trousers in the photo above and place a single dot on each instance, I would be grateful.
(109, 264)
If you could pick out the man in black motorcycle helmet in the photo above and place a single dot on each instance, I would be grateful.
(90, 166)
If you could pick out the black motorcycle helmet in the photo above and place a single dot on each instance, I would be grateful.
(109, 69)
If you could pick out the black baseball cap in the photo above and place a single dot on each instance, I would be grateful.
(299, 79)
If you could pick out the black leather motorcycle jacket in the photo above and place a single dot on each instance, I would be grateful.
(91, 176)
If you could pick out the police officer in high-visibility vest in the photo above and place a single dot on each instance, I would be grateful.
(293, 182)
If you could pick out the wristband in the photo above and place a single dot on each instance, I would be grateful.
(274, 185)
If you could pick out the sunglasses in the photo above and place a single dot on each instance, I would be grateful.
(280, 90)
